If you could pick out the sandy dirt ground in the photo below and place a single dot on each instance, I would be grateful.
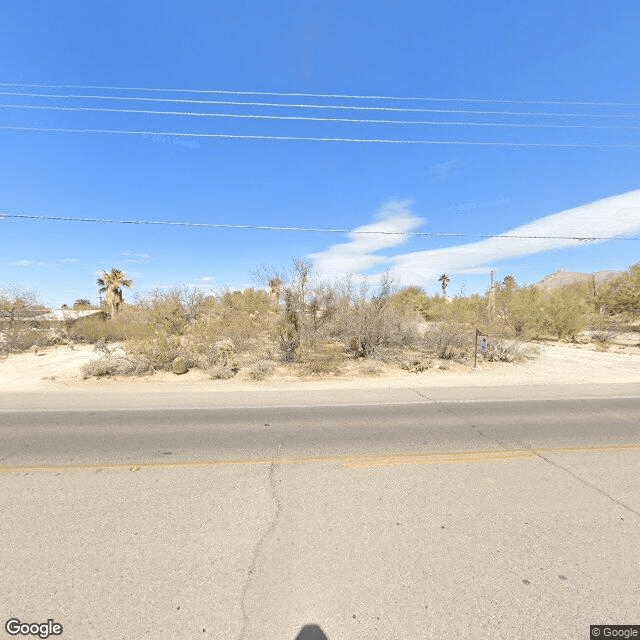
(59, 369)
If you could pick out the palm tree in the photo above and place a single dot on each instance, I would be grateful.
(112, 282)
(444, 281)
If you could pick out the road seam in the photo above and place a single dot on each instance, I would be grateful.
(261, 543)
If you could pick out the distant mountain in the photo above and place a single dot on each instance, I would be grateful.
(563, 278)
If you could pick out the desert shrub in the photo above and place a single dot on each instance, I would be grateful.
(115, 361)
(525, 312)
(416, 365)
(241, 316)
(566, 312)
(116, 366)
(622, 295)
(321, 358)
(164, 310)
(156, 349)
(368, 325)
(224, 352)
(94, 329)
(413, 299)
(289, 330)
(20, 326)
(434, 308)
(201, 339)
(602, 329)
(501, 350)
(261, 370)
(466, 310)
(447, 340)
(222, 372)
(369, 368)
(250, 301)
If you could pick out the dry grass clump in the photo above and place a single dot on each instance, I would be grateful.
(114, 362)
(416, 365)
(261, 370)
(369, 368)
(603, 330)
(221, 372)
(501, 350)
(118, 366)
(321, 358)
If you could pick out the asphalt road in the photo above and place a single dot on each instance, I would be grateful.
(482, 519)
(58, 438)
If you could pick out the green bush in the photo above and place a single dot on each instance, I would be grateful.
(525, 312)
(622, 295)
(566, 312)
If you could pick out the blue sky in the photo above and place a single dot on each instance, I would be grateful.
(544, 51)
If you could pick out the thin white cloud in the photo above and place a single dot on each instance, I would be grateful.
(28, 263)
(206, 278)
(136, 258)
(614, 216)
(358, 255)
(70, 260)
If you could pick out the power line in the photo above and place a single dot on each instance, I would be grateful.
(322, 95)
(234, 136)
(320, 106)
(209, 225)
(544, 125)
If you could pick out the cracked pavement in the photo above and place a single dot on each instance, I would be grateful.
(477, 520)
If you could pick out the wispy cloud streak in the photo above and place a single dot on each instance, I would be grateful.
(614, 216)
(359, 254)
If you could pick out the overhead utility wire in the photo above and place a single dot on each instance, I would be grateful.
(232, 136)
(209, 225)
(320, 106)
(253, 116)
(321, 95)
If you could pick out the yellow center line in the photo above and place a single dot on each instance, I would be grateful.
(352, 461)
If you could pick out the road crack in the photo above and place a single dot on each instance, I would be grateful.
(585, 482)
(259, 548)
(13, 453)
(450, 411)
(557, 465)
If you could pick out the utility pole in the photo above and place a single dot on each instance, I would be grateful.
(491, 297)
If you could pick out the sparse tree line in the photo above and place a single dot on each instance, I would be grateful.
(317, 328)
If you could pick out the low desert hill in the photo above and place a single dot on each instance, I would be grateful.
(563, 278)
